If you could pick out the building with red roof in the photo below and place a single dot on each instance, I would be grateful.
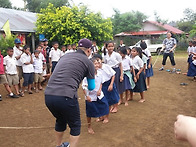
(152, 28)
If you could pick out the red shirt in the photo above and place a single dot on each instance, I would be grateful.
(1, 65)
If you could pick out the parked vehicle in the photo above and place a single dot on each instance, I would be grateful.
(154, 48)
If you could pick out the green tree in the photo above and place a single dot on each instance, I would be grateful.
(37, 5)
(68, 25)
(5, 43)
(186, 24)
(130, 21)
(5, 4)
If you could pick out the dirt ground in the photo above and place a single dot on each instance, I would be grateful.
(149, 124)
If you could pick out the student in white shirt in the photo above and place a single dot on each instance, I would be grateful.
(109, 88)
(128, 82)
(69, 49)
(114, 60)
(18, 51)
(139, 78)
(96, 103)
(54, 56)
(28, 70)
(94, 48)
(189, 51)
(9, 63)
(39, 66)
(149, 71)
(63, 50)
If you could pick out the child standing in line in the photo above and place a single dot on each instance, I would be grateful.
(39, 66)
(114, 60)
(3, 79)
(96, 103)
(189, 51)
(73, 46)
(63, 50)
(28, 70)
(69, 49)
(11, 70)
(149, 70)
(109, 88)
(54, 56)
(139, 78)
(192, 68)
(128, 82)
(18, 51)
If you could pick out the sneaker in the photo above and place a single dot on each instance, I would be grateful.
(13, 96)
(160, 69)
(65, 144)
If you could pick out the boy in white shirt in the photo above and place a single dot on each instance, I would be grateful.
(18, 51)
(9, 63)
(54, 56)
(39, 66)
(28, 70)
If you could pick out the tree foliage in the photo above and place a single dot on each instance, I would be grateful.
(129, 21)
(5, 4)
(37, 5)
(186, 24)
(5, 43)
(68, 25)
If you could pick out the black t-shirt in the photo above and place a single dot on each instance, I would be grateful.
(68, 74)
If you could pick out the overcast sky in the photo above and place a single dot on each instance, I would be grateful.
(166, 9)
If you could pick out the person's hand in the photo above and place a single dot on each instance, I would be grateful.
(110, 87)
(98, 92)
(50, 65)
(88, 99)
(137, 76)
(161, 50)
(149, 66)
(47, 76)
(135, 79)
(121, 78)
(185, 129)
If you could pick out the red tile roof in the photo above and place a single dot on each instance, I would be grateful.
(167, 27)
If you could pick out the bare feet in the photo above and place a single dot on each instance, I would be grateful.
(130, 99)
(111, 109)
(90, 131)
(99, 119)
(114, 110)
(37, 91)
(120, 102)
(126, 103)
(142, 100)
(106, 120)
(40, 88)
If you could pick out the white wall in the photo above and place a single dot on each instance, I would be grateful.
(150, 27)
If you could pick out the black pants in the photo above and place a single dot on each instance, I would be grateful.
(171, 57)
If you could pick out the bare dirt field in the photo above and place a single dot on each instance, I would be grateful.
(148, 124)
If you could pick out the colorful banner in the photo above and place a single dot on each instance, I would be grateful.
(6, 28)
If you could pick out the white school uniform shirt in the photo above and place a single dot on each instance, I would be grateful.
(70, 51)
(55, 55)
(10, 65)
(17, 52)
(194, 49)
(38, 65)
(26, 68)
(107, 72)
(63, 53)
(93, 94)
(194, 62)
(147, 53)
(137, 62)
(190, 49)
(41, 57)
(127, 63)
(113, 60)
(144, 59)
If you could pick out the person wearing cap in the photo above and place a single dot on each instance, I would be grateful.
(61, 91)
(18, 50)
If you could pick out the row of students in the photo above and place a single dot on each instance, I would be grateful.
(192, 59)
(129, 73)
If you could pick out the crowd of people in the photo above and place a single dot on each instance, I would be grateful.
(21, 65)
(111, 79)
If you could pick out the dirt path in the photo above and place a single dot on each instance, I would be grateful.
(138, 125)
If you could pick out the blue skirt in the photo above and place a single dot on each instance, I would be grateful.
(192, 70)
(140, 85)
(149, 71)
(190, 59)
(126, 83)
(111, 96)
(119, 85)
(97, 108)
